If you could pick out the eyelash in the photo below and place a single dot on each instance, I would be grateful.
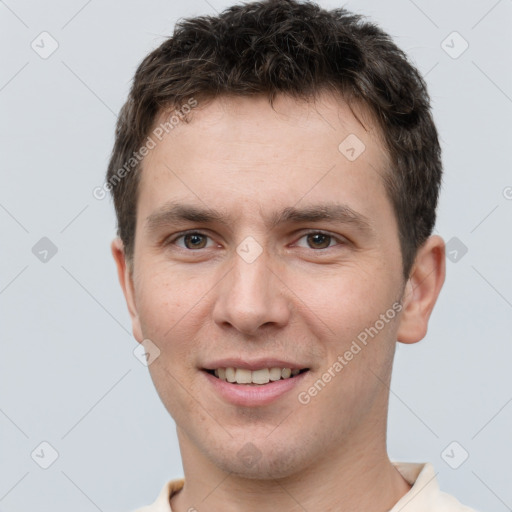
(179, 236)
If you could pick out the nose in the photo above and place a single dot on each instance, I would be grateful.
(251, 297)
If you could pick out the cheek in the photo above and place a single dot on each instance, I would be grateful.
(164, 300)
(353, 317)
(174, 314)
(344, 301)
(168, 308)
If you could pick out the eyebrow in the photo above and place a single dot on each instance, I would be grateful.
(173, 213)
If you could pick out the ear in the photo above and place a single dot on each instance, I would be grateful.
(125, 275)
(422, 289)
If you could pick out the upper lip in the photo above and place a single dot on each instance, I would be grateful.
(255, 364)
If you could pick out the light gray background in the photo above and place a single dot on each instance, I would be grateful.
(67, 369)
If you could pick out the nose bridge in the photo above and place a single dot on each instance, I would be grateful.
(250, 296)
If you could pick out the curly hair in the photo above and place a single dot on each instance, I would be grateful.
(296, 48)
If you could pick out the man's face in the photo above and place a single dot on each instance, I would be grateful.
(263, 243)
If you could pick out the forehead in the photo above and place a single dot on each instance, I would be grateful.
(261, 156)
(320, 121)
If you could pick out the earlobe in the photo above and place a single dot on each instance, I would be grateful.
(422, 290)
(126, 281)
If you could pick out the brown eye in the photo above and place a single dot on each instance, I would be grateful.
(195, 241)
(319, 240)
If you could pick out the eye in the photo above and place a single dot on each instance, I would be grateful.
(317, 240)
(192, 241)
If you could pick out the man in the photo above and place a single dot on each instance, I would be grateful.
(275, 176)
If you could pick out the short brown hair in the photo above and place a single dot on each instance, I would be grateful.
(297, 48)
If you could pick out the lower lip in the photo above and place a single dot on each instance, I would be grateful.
(247, 395)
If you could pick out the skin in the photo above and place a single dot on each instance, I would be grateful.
(304, 299)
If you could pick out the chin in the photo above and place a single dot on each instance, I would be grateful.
(253, 462)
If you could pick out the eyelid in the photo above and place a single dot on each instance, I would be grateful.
(171, 240)
(338, 238)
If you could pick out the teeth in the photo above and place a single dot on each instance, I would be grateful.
(243, 376)
(275, 373)
(261, 376)
(230, 374)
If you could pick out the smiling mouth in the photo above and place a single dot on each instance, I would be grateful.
(255, 377)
